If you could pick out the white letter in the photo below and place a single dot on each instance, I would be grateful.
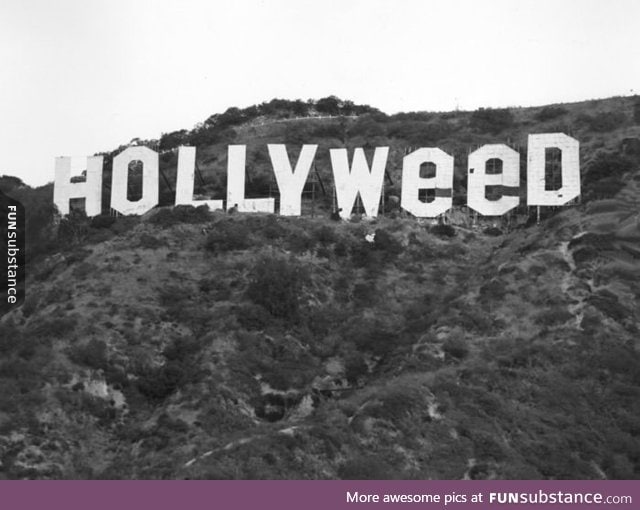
(235, 184)
(478, 179)
(149, 199)
(412, 183)
(184, 180)
(536, 192)
(90, 190)
(291, 182)
(358, 179)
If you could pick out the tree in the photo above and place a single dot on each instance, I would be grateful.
(329, 105)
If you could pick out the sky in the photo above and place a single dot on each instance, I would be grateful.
(84, 76)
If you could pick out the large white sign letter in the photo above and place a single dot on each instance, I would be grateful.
(358, 179)
(236, 165)
(90, 190)
(412, 183)
(184, 180)
(508, 180)
(536, 163)
(291, 182)
(149, 199)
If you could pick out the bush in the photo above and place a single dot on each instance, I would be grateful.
(553, 316)
(9, 338)
(93, 354)
(253, 317)
(608, 303)
(550, 113)
(443, 230)
(328, 130)
(228, 236)
(276, 283)
(167, 217)
(73, 228)
(181, 348)
(455, 347)
(492, 231)
(57, 327)
(367, 467)
(298, 241)
(385, 242)
(488, 120)
(419, 133)
(102, 221)
(367, 126)
(149, 242)
(603, 122)
(375, 336)
(603, 175)
(158, 383)
(325, 235)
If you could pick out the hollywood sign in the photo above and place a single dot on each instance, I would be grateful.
(351, 180)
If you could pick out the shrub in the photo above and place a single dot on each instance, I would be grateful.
(228, 236)
(218, 289)
(604, 121)
(158, 383)
(9, 337)
(355, 368)
(443, 230)
(298, 241)
(603, 175)
(172, 140)
(181, 348)
(387, 243)
(493, 290)
(341, 248)
(149, 242)
(550, 113)
(102, 221)
(325, 235)
(82, 270)
(363, 254)
(367, 467)
(367, 126)
(92, 354)
(253, 317)
(53, 328)
(271, 228)
(492, 231)
(30, 305)
(488, 120)
(167, 217)
(553, 316)
(276, 283)
(328, 130)
(124, 224)
(419, 132)
(373, 335)
(455, 347)
(608, 303)
(73, 228)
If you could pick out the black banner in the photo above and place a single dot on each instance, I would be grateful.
(12, 246)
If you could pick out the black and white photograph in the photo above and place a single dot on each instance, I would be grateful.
(320, 240)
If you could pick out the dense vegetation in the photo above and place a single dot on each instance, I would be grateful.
(198, 344)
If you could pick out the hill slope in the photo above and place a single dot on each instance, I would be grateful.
(191, 344)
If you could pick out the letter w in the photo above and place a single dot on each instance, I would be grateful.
(358, 179)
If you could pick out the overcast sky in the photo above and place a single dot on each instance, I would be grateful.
(82, 76)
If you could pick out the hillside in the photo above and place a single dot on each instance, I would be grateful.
(198, 344)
